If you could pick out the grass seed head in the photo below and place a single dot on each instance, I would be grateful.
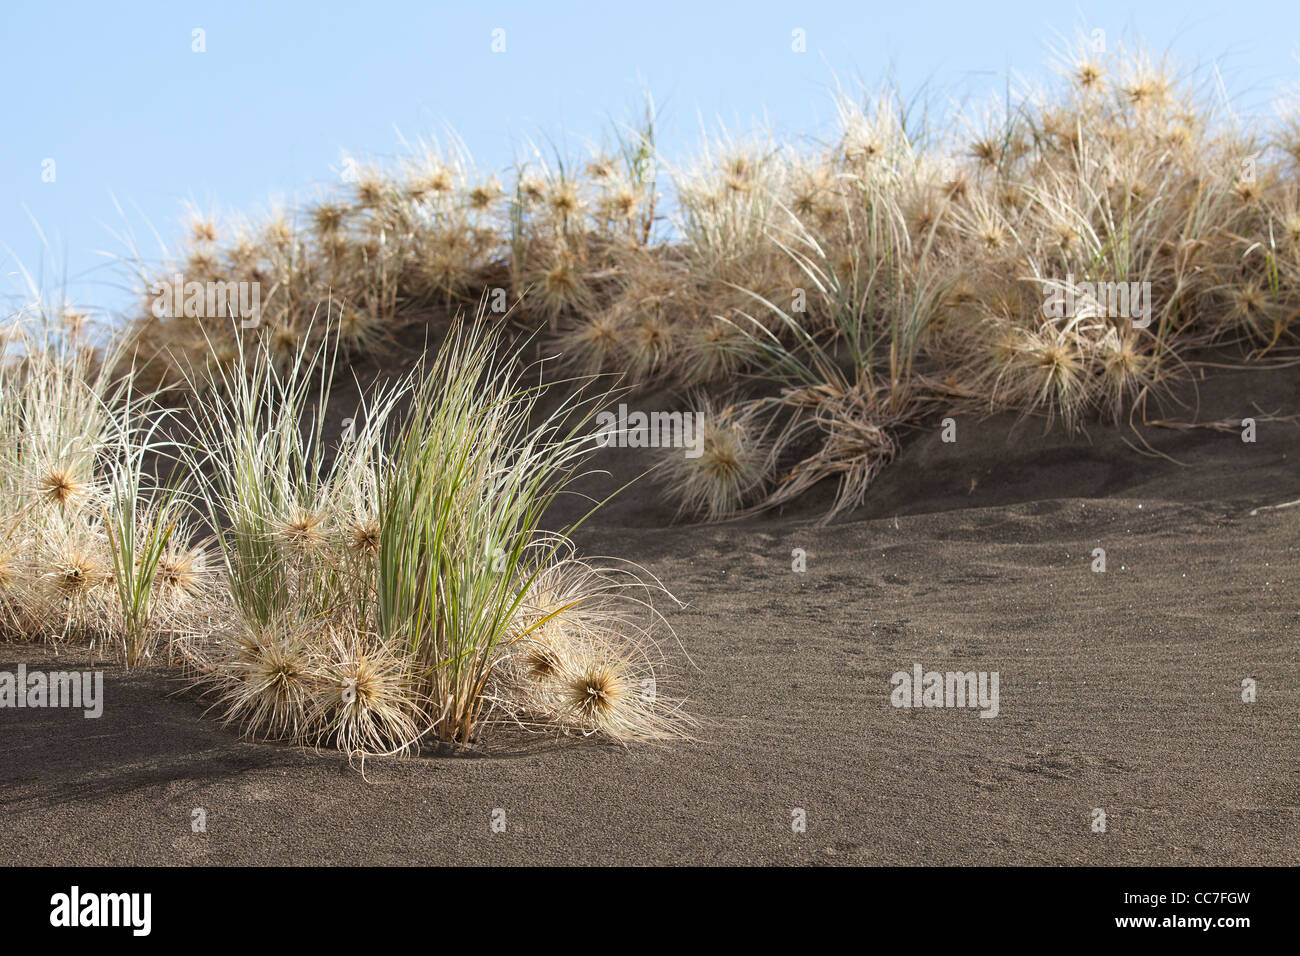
(61, 486)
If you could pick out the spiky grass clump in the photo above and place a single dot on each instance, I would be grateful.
(140, 522)
(581, 655)
(269, 686)
(461, 506)
(713, 350)
(728, 467)
(73, 575)
(1049, 371)
(593, 344)
(365, 702)
(600, 693)
(377, 592)
(83, 526)
(1128, 370)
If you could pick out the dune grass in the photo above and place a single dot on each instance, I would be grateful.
(838, 293)
(380, 586)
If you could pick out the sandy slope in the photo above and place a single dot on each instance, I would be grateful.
(1119, 691)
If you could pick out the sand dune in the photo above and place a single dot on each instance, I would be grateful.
(1119, 691)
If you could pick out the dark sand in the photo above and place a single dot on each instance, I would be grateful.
(1119, 691)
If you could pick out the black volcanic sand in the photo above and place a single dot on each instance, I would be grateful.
(1119, 691)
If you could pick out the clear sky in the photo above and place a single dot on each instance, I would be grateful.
(115, 95)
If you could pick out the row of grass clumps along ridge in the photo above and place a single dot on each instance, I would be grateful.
(816, 301)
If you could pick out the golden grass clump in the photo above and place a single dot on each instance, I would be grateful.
(581, 655)
(728, 467)
(85, 529)
(378, 593)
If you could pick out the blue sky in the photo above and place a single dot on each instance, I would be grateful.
(116, 97)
